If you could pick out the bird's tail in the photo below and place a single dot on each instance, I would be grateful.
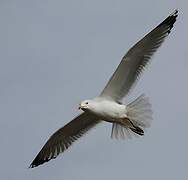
(139, 112)
(140, 115)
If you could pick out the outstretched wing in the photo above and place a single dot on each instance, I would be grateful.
(64, 137)
(136, 59)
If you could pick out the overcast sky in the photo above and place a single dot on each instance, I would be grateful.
(54, 54)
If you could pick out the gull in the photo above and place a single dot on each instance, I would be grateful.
(127, 120)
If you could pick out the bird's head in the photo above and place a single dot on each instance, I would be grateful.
(85, 105)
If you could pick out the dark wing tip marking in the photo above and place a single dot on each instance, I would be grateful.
(41, 158)
(170, 20)
(38, 161)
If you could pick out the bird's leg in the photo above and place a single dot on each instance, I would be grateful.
(128, 123)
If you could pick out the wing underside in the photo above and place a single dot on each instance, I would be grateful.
(64, 138)
(136, 59)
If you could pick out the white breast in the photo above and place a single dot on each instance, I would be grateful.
(109, 110)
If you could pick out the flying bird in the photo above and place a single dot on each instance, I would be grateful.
(127, 120)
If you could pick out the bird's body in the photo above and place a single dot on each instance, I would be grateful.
(127, 120)
(106, 110)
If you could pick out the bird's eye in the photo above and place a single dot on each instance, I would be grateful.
(87, 103)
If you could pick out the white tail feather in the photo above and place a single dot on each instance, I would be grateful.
(140, 114)
(121, 132)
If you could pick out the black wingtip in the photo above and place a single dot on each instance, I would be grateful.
(174, 13)
(34, 163)
(170, 20)
(172, 17)
(31, 166)
(37, 162)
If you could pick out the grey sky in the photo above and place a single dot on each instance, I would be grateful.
(55, 54)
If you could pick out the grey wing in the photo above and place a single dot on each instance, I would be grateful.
(64, 137)
(136, 59)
